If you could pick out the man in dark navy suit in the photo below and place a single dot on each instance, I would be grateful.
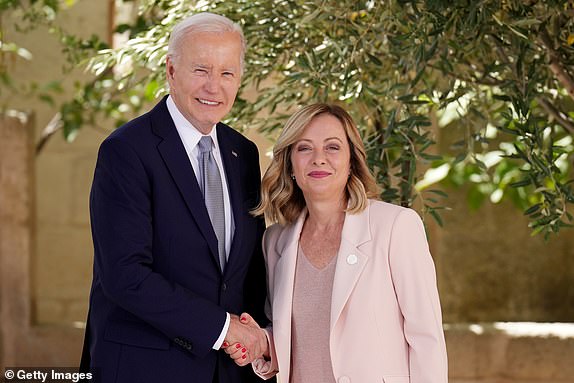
(177, 254)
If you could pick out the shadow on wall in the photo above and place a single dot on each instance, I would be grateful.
(491, 269)
(511, 352)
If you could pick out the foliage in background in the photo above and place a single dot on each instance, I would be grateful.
(493, 79)
(25, 16)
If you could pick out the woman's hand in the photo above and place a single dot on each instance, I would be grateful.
(240, 354)
(237, 352)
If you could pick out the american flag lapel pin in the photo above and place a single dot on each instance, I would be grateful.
(234, 154)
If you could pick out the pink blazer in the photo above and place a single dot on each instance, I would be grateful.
(386, 322)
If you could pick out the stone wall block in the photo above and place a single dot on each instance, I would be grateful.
(15, 214)
(531, 358)
(15, 167)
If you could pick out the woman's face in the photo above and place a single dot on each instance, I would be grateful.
(321, 159)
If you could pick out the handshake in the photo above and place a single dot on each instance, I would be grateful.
(245, 340)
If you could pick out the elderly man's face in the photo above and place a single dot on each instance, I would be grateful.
(205, 76)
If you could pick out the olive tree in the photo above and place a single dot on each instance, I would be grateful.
(493, 78)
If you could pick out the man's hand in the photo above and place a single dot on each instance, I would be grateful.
(245, 340)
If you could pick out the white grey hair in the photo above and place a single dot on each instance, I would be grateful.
(203, 22)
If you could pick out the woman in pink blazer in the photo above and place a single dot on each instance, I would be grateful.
(351, 282)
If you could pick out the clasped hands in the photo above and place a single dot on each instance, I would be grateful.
(245, 340)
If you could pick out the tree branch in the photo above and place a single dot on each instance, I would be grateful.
(560, 117)
(499, 48)
(489, 81)
(53, 126)
(556, 66)
(56, 123)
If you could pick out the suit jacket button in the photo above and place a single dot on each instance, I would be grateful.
(224, 286)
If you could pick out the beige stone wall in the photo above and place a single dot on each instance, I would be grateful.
(22, 341)
(492, 269)
(511, 352)
(62, 248)
(16, 212)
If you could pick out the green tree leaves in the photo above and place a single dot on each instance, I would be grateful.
(492, 78)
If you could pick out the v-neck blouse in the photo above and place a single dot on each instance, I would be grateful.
(311, 312)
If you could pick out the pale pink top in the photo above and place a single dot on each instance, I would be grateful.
(310, 356)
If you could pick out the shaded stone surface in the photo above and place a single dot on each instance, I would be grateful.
(490, 268)
(22, 342)
(511, 352)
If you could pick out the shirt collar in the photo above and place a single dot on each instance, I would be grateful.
(188, 133)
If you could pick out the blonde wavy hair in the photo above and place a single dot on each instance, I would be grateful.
(281, 199)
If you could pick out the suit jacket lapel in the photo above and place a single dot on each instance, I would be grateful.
(350, 261)
(355, 233)
(231, 157)
(284, 274)
(175, 157)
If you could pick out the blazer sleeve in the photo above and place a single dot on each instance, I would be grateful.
(255, 290)
(414, 279)
(266, 369)
(121, 215)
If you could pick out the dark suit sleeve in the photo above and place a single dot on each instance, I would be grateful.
(121, 214)
(255, 283)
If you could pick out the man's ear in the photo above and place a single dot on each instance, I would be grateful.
(169, 68)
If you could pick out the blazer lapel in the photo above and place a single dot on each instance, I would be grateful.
(175, 157)
(284, 275)
(350, 261)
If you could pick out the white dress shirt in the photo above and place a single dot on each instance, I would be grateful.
(190, 137)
